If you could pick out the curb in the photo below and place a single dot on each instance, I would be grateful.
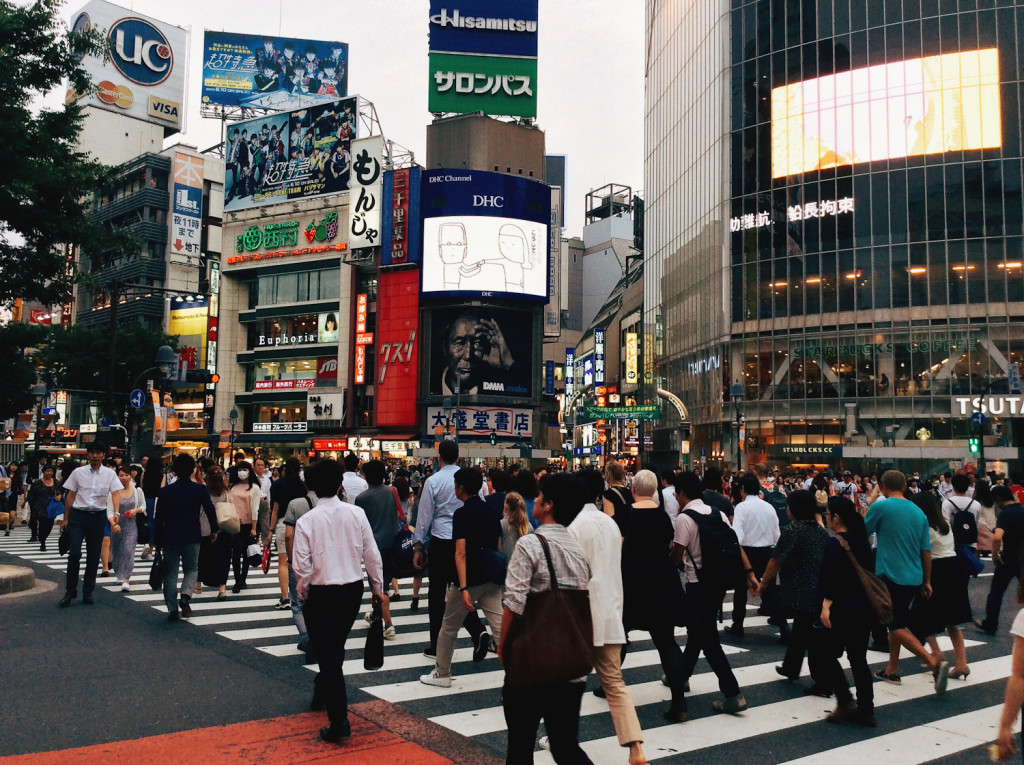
(16, 579)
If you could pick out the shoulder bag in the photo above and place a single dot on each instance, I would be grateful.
(967, 563)
(156, 574)
(874, 588)
(558, 621)
(227, 517)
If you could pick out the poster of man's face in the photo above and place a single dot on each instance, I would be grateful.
(481, 352)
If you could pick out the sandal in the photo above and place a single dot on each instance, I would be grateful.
(198, 589)
(895, 678)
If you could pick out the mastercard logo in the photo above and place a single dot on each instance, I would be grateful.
(118, 95)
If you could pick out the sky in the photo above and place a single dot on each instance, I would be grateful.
(590, 73)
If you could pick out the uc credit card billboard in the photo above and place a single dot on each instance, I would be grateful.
(484, 235)
(272, 72)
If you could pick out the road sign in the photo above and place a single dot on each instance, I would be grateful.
(977, 419)
(105, 422)
(137, 399)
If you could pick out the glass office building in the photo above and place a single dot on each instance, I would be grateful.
(834, 225)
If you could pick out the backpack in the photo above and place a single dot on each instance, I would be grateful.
(965, 525)
(777, 499)
(721, 561)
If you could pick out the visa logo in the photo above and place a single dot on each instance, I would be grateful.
(164, 110)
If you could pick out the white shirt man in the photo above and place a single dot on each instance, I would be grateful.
(668, 494)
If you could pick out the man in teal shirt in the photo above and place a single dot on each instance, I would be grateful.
(904, 562)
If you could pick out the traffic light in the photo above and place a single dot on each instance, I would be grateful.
(494, 438)
(973, 444)
(202, 376)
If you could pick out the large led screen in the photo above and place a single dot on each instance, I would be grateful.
(485, 235)
(482, 351)
(908, 108)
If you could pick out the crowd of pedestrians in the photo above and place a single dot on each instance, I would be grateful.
(654, 552)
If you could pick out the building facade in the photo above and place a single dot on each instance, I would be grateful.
(834, 227)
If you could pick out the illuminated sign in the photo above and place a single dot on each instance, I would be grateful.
(996, 406)
(631, 358)
(480, 421)
(397, 194)
(828, 208)
(330, 444)
(362, 307)
(366, 197)
(929, 105)
(235, 259)
(279, 427)
(599, 357)
(325, 406)
(272, 235)
(326, 371)
(570, 372)
(283, 384)
(397, 349)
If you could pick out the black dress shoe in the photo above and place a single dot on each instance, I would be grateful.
(87, 599)
(186, 609)
(734, 629)
(173, 616)
(65, 601)
(334, 735)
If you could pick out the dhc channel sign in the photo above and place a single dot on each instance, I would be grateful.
(140, 51)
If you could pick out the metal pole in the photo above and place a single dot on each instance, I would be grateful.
(39, 420)
(458, 398)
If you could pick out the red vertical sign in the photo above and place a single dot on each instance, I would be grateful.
(399, 216)
(397, 348)
(362, 306)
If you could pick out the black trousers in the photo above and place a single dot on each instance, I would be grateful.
(849, 634)
(559, 706)
(804, 638)
(239, 542)
(702, 635)
(87, 526)
(442, 573)
(329, 611)
(1001, 578)
(40, 526)
(758, 557)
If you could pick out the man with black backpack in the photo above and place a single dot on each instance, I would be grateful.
(706, 545)
(961, 511)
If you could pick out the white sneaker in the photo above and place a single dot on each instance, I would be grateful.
(389, 632)
(435, 679)
(125, 587)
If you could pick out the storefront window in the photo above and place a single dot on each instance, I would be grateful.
(289, 413)
(285, 375)
(299, 287)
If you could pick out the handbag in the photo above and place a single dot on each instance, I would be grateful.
(227, 517)
(254, 554)
(557, 620)
(373, 651)
(874, 588)
(54, 508)
(143, 527)
(265, 560)
(156, 574)
(63, 541)
(967, 563)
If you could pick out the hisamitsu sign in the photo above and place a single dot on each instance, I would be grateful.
(642, 412)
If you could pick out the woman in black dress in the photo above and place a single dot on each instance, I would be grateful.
(653, 593)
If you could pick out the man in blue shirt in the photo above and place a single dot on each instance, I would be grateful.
(438, 504)
(904, 562)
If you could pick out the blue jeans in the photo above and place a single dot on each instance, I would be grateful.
(87, 526)
(188, 555)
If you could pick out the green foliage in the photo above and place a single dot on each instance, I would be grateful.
(19, 368)
(47, 185)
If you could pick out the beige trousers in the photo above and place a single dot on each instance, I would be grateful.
(608, 666)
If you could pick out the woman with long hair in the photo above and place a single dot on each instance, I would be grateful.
(214, 557)
(950, 605)
(282, 492)
(126, 503)
(617, 501)
(244, 493)
(514, 525)
(847, 615)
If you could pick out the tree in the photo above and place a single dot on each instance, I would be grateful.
(48, 185)
(19, 368)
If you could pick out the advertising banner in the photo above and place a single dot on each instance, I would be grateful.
(143, 73)
(490, 84)
(480, 421)
(552, 313)
(325, 406)
(327, 372)
(599, 357)
(366, 199)
(400, 219)
(641, 412)
(361, 339)
(471, 26)
(295, 155)
(549, 377)
(570, 373)
(397, 348)
(485, 235)
(278, 73)
(189, 324)
(631, 358)
(482, 351)
(187, 211)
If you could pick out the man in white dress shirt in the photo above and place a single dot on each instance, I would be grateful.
(353, 482)
(668, 494)
(331, 541)
(601, 540)
(86, 492)
(757, 528)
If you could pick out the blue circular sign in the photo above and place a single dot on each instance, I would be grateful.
(137, 398)
(978, 419)
(140, 51)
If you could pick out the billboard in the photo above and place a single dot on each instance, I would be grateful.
(278, 73)
(469, 26)
(143, 73)
(506, 422)
(929, 105)
(397, 348)
(489, 84)
(485, 235)
(400, 221)
(187, 211)
(364, 213)
(188, 322)
(295, 155)
(482, 351)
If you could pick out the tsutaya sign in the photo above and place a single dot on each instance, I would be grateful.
(997, 406)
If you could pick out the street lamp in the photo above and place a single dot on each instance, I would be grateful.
(736, 393)
(446, 405)
(165, 359)
(233, 419)
(40, 393)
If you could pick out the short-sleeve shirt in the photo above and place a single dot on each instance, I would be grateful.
(298, 508)
(283, 492)
(93, 487)
(1018, 624)
(687, 535)
(800, 552)
(1011, 521)
(380, 504)
(480, 525)
(902, 531)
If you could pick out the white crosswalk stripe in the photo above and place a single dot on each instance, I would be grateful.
(472, 706)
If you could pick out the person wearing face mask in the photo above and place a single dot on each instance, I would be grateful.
(244, 492)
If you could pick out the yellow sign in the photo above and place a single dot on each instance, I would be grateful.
(164, 110)
(631, 358)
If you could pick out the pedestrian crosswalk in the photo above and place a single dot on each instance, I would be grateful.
(781, 726)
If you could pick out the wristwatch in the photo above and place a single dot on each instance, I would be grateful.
(463, 589)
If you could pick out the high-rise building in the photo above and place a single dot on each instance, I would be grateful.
(833, 265)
